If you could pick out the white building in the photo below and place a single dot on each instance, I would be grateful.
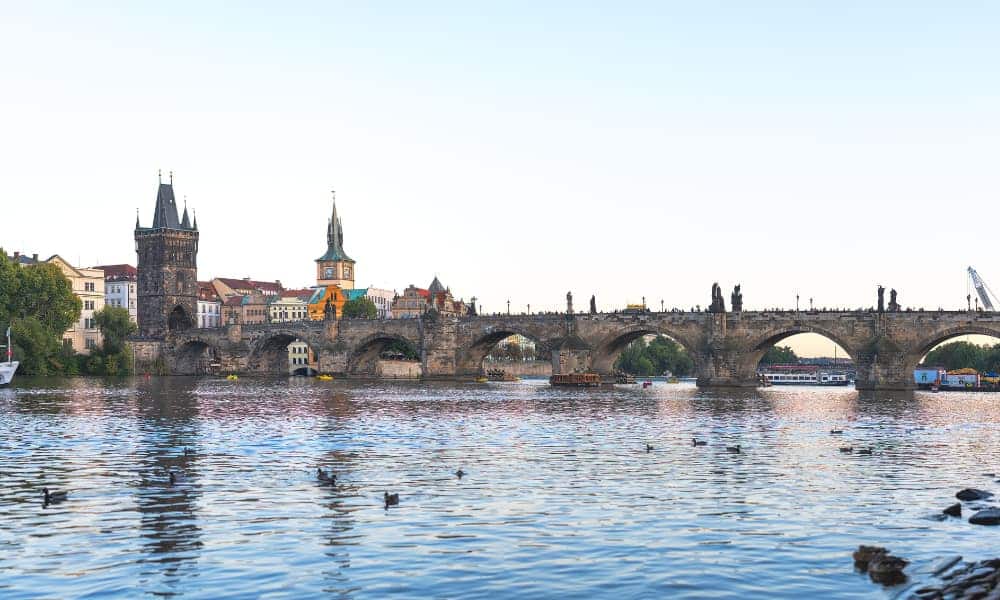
(209, 306)
(88, 285)
(382, 299)
(120, 287)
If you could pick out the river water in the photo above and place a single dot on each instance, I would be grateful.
(560, 496)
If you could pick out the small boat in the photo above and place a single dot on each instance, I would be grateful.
(576, 380)
(232, 377)
(7, 369)
(646, 384)
(624, 378)
(673, 380)
(481, 379)
(501, 375)
(325, 377)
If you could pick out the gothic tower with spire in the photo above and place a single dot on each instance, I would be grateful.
(167, 261)
(335, 267)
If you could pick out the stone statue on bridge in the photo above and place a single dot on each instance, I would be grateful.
(718, 303)
(893, 305)
(881, 299)
(329, 311)
(569, 303)
(593, 305)
(737, 299)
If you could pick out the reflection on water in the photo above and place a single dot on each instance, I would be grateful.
(560, 496)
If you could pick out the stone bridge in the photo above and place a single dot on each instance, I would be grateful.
(725, 347)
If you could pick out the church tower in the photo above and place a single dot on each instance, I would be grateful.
(335, 267)
(167, 261)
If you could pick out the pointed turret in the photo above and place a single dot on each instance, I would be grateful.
(195, 226)
(185, 222)
(334, 238)
(436, 286)
(137, 219)
(165, 214)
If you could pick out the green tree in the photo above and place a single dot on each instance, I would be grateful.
(38, 304)
(399, 347)
(659, 356)
(779, 355)
(360, 308)
(115, 325)
(961, 355)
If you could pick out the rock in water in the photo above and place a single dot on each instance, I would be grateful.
(990, 516)
(973, 494)
(955, 510)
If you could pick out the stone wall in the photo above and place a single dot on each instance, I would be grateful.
(399, 369)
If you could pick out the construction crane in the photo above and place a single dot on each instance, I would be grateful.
(982, 289)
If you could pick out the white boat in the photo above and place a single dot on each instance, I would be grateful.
(802, 375)
(7, 369)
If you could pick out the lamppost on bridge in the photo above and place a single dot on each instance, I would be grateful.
(810, 304)
(796, 303)
(529, 309)
(508, 306)
(661, 304)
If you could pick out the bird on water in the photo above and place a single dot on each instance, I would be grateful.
(53, 497)
(649, 447)
(847, 449)
(733, 449)
(460, 473)
(391, 499)
(697, 442)
(325, 477)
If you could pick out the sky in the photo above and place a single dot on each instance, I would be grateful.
(520, 149)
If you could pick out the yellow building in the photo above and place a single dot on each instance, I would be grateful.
(318, 301)
(88, 285)
(335, 267)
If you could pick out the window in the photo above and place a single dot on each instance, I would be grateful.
(88, 286)
(91, 344)
(88, 305)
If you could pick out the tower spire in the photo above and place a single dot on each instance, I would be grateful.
(137, 217)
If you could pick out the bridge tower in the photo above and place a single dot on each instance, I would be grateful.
(335, 267)
(167, 261)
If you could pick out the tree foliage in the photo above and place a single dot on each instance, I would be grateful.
(360, 308)
(38, 304)
(960, 355)
(659, 356)
(115, 325)
(779, 355)
(400, 349)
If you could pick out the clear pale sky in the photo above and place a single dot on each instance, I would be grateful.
(523, 150)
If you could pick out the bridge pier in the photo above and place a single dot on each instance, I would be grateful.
(885, 369)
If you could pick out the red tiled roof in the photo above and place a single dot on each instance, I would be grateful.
(206, 291)
(119, 272)
(304, 292)
(243, 284)
(234, 301)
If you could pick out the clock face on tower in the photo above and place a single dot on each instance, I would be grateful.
(347, 272)
(329, 273)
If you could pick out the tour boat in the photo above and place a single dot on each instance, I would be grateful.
(802, 375)
(325, 377)
(7, 369)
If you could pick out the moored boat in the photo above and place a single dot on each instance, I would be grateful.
(8, 368)
(576, 380)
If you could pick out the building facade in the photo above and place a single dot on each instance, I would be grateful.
(88, 285)
(167, 259)
(227, 287)
(120, 282)
(335, 267)
(415, 301)
(321, 296)
(250, 309)
(382, 299)
(209, 306)
(288, 307)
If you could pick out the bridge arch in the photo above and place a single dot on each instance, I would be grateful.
(609, 348)
(472, 358)
(367, 357)
(269, 354)
(760, 344)
(197, 356)
(929, 342)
